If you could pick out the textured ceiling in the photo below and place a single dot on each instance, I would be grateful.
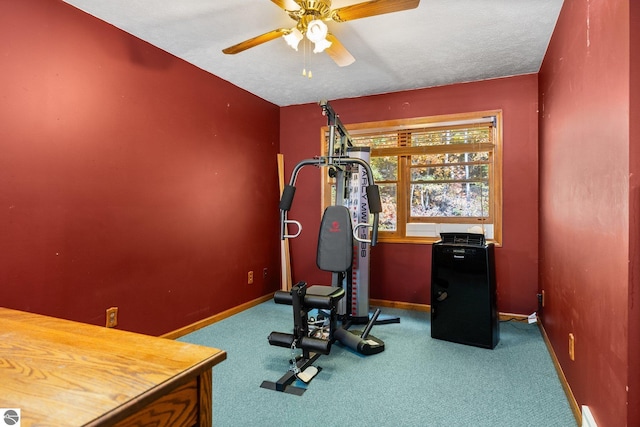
(440, 42)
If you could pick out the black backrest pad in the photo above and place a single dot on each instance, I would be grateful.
(335, 242)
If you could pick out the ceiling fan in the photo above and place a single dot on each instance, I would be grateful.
(310, 17)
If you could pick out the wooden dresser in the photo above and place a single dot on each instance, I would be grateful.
(64, 373)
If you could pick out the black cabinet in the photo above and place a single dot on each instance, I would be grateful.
(463, 293)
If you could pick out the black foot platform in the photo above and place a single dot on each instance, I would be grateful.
(285, 383)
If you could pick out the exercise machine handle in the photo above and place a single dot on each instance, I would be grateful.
(285, 234)
(287, 197)
(374, 231)
(357, 228)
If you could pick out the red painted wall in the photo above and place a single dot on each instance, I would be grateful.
(633, 397)
(401, 272)
(128, 177)
(589, 207)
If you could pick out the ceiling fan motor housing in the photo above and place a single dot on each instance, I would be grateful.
(309, 11)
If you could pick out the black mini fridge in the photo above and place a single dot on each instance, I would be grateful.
(463, 290)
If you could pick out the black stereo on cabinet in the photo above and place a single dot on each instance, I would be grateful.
(463, 290)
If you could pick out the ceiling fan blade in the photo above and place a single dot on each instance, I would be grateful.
(262, 38)
(338, 52)
(372, 8)
(287, 4)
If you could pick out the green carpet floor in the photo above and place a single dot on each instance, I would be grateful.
(416, 381)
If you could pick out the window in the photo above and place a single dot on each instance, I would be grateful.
(436, 174)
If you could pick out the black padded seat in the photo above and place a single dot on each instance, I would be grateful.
(323, 290)
(316, 296)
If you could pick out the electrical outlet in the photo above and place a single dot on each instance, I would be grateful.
(250, 278)
(541, 299)
(264, 273)
(112, 317)
(572, 347)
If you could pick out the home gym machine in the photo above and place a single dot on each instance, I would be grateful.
(343, 250)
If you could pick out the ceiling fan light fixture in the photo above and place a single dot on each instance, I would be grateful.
(316, 30)
(321, 45)
(293, 38)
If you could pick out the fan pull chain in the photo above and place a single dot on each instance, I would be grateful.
(304, 55)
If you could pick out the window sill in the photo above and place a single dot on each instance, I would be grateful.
(421, 240)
